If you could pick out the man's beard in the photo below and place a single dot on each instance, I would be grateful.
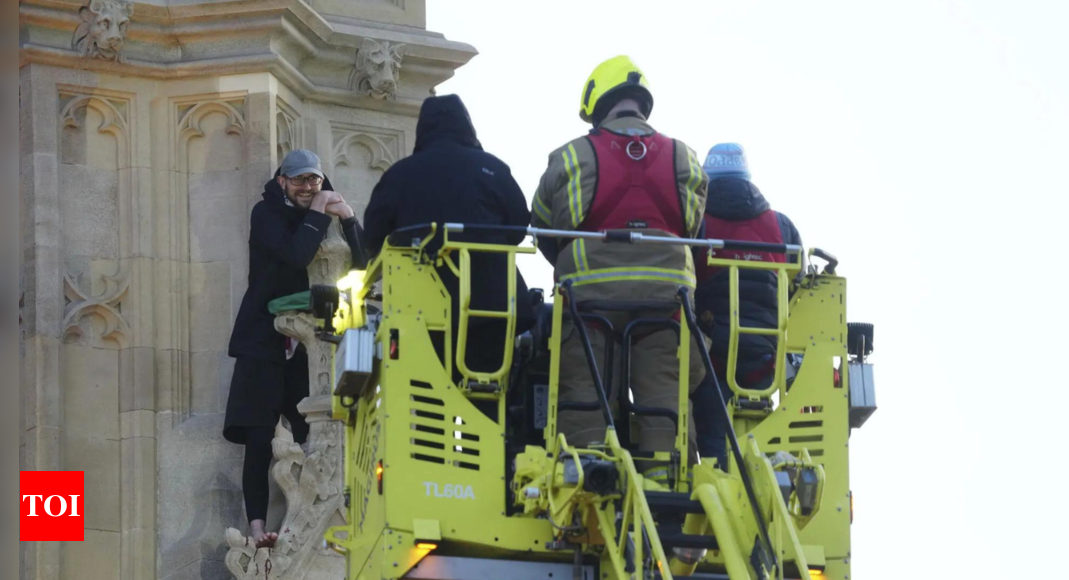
(300, 204)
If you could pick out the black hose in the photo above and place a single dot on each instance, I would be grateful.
(747, 482)
(588, 349)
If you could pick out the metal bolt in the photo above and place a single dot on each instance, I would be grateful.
(840, 508)
(389, 547)
(395, 564)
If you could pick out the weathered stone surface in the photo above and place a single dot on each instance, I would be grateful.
(44, 449)
(206, 382)
(91, 396)
(225, 375)
(42, 392)
(138, 456)
(218, 227)
(401, 12)
(137, 425)
(216, 143)
(90, 211)
(100, 460)
(97, 558)
(138, 553)
(137, 379)
(217, 184)
(211, 319)
(94, 133)
(199, 492)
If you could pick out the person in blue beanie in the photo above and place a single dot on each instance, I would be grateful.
(735, 210)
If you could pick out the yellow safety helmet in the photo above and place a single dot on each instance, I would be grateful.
(611, 80)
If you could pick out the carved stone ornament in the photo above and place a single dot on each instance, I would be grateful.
(96, 319)
(102, 32)
(312, 485)
(377, 70)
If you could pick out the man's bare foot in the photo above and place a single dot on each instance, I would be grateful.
(263, 539)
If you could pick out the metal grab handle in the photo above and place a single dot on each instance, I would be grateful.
(736, 329)
(832, 261)
(627, 236)
(466, 314)
(736, 451)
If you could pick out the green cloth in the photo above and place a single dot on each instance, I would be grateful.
(301, 301)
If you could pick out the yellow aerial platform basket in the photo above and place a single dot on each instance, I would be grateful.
(456, 474)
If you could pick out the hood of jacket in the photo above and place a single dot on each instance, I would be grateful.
(735, 199)
(274, 195)
(445, 118)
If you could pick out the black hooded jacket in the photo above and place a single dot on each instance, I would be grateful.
(449, 178)
(283, 240)
(735, 200)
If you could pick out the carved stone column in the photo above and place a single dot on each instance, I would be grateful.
(314, 500)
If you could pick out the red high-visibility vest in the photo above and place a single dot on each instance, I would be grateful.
(763, 228)
(636, 185)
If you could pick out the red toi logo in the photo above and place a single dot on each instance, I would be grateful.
(53, 506)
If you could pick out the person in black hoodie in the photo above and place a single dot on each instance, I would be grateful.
(271, 371)
(450, 179)
(736, 210)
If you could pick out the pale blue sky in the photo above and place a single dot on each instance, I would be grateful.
(923, 142)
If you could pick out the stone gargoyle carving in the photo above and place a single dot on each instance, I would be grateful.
(378, 67)
(313, 485)
(102, 32)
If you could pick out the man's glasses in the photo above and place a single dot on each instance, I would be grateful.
(309, 179)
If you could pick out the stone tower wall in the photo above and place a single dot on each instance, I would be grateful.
(140, 162)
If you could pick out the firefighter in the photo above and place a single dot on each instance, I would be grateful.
(623, 175)
(736, 211)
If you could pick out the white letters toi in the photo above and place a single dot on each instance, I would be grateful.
(49, 505)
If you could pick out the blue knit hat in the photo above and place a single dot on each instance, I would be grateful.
(726, 160)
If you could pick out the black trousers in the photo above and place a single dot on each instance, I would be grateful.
(709, 419)
(260, 393)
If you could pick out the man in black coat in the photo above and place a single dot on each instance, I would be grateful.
(450, 179)
(736, 210)
(271, 372)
